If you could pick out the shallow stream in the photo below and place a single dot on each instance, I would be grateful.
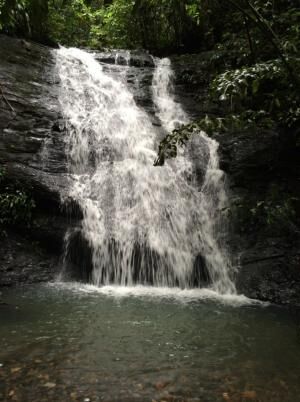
(64, 342)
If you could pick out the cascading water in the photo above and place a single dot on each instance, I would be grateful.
(144, 224)
(169, 112)
(212, 199)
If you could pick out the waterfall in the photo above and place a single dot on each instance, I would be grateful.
(169, 112)
(212, 198)
(144, 224)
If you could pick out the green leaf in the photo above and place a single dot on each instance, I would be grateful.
(255, 86)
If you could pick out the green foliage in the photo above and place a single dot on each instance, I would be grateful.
(12, 14)
(152, 24)
(274, 212)
(247, 120)
(74, 23)
(240, 84)
(292, 117)
(263, 86)
(158, 25)
(119, 27)
(16, 205)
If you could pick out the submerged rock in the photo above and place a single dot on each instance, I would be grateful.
(123, 57)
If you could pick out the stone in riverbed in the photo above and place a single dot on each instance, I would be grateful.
(249, 395)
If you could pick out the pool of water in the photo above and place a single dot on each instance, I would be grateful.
(70, 342)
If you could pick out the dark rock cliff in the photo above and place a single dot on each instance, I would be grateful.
(264, 175)
(32, 154)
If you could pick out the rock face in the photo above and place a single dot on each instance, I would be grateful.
(32, 153)
(263, 170)
(30, 123)
(25, 261)
(126, 57)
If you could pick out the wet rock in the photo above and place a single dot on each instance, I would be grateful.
(193, 73)
(200, 276)
(251, 395)
(125, 57)
(161, 385)
(244, 155)
(15, 369)
(32, 151)
(78, 258)
(271, 273)
(25, 261)
(263, 167)
(30, 114)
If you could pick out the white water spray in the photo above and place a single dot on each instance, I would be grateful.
(169, 112)
(212, 198)
(144, 224)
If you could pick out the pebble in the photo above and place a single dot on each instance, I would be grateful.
(161, 385)
(50, 385)
(282, 383)
(15, 369)
(249, 394)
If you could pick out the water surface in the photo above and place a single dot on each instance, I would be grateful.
(76, 342)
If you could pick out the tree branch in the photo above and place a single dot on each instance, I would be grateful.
(264, 27)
